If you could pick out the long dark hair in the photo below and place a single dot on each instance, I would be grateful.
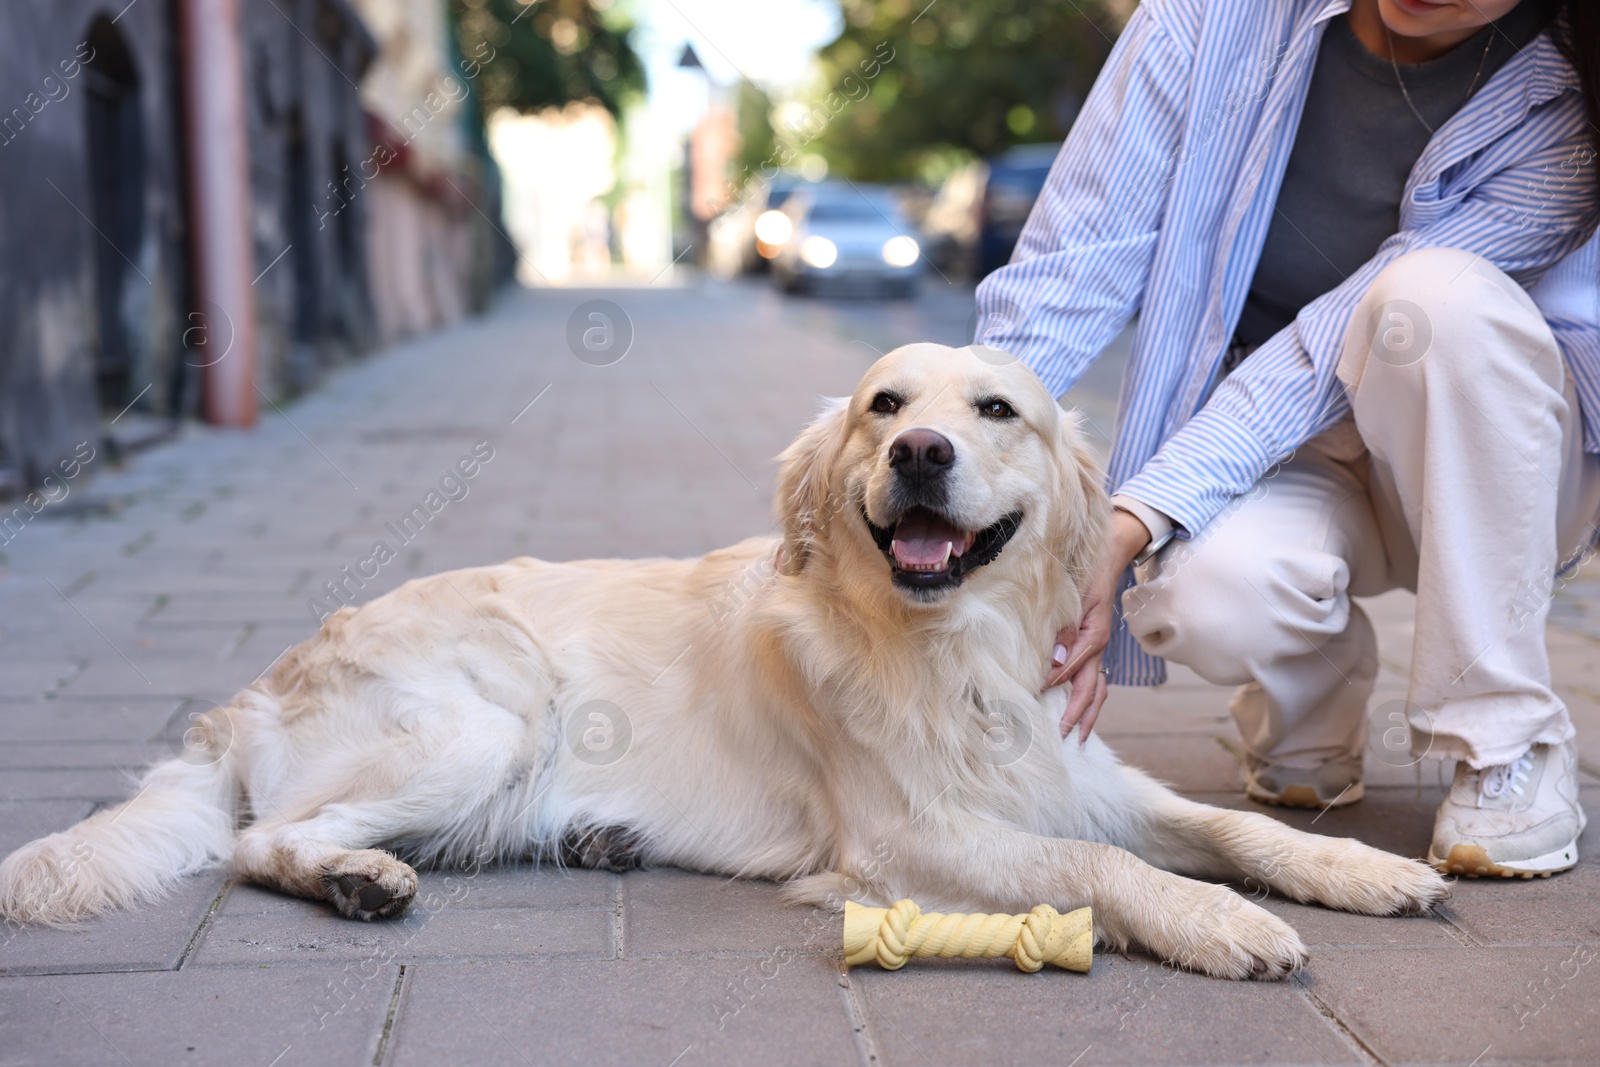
(1578, 35)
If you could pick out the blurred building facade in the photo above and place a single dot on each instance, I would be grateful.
(304, 62)
(435, 243)
(361, 186)
(93, 269)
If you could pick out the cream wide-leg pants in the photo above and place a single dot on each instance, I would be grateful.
(1460, 475)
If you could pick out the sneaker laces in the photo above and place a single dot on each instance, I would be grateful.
(1498, 780)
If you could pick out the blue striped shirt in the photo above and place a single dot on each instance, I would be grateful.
(1160, 201)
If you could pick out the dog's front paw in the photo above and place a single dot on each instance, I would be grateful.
(1229, 937)
(1359, 878)
(1215, 931)
(369, 884)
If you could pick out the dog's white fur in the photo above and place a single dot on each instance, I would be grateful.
(813, 723)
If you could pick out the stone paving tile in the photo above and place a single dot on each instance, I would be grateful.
(1134, 710)
(1584, 707)
(444, 933)
(22, 821)
(523, 886)
(93, 783)
(135, 720)
(1188, 762)
(191, 611)
(245, 900)
(258, 647)
(1564, 908)
(153, 937)
(1322, 927)
(38, 675)
(1574, 655)
(161, 674)
(71, 755)
(230, 1018)
(1125, 1011)
(1473, 1006)
(675, 913)
(1522, 919)
(723, 1011)
(188, 583)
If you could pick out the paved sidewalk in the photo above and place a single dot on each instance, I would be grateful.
(151, 592)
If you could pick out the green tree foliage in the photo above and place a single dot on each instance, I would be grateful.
(965, 77)
(547, 54)
(757, 142)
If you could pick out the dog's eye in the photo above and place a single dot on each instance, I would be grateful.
(885, 404)
(995, 408)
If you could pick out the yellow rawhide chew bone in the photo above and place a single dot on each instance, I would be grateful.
(891, 936)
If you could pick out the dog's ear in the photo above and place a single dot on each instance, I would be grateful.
(805, 483)
(1083, 508)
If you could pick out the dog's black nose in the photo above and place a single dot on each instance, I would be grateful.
(921, 455)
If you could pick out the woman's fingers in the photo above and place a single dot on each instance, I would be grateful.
(1084, 685)
(1079, 646)
(1077, 652)
(1086, 724)
(1059, 655)
(1091, 642)
(1064, 665)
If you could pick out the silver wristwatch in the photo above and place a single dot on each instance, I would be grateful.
(1156, 543)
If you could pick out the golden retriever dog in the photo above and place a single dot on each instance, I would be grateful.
(852, 708)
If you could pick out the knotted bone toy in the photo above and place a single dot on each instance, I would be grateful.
(891, 936)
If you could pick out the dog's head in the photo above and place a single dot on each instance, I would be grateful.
(945, 465)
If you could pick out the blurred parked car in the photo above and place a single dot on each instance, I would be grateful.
(847, 238)
(973, 225)
(746, 238)
(950, 228)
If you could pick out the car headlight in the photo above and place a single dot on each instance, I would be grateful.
(901, 251)
(773, 227)
(819, 252)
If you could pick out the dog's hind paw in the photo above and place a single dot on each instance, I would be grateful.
(369, 884)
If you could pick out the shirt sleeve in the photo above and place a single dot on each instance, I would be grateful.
(1155, 523)
(1524, 217)
(1084, 255)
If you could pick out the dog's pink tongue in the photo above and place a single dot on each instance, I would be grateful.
(922, 538)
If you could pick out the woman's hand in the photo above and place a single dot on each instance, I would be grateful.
(1078, 649)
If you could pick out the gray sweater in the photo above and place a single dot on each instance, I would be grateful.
(1357, 142)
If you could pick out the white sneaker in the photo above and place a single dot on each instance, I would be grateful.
(1516, 819)
(1334, 784)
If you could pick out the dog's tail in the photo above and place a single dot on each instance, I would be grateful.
(180, 821)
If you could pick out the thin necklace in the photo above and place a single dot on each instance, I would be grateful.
(1402, 82)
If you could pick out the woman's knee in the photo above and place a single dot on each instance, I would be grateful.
(1438, 315)
(1225, 610)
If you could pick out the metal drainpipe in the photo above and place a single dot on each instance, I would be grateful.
(219, 205)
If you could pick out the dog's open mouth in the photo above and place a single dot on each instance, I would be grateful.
(927, 551)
